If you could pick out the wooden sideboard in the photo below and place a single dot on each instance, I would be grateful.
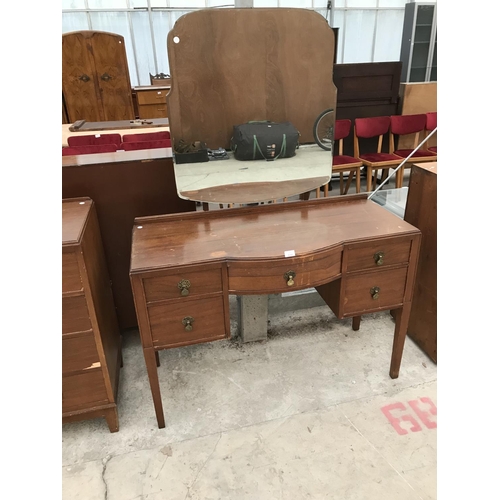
(360, 257)
(421, 211)
(91, 342)
(123, 186)
(151, 101)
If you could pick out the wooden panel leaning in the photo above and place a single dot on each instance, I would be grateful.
(91, 342)
(421, 211)
(360, 257)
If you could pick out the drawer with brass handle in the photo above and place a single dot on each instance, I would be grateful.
(180, 323)
(178, 286)
(377, 254)
(374, 290)
(286, 274)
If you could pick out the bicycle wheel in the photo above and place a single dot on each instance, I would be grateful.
(324, 128)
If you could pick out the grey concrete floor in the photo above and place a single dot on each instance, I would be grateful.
(305, 414)
(309, 413)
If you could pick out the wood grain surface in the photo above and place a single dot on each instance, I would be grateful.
(231, 66)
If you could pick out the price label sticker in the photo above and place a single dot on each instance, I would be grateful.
(97, 135)
(289, 253)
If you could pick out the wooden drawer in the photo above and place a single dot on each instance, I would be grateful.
(167, 329)
(359, 289)
(268, 277)
(167, 287)
(71, 280)
(362, 256)
(152, 111)
(152, 97)
(83, 390)
(79, 353)
(75, 314)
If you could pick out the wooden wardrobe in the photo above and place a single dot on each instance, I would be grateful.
(95, 77)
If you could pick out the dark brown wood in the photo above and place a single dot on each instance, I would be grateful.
(421, 211)
(364, 90)
(333, 240)
(123, 186)
(154, 382)
(91, 342)
(235, 65)
(356, 321)
(95, 77)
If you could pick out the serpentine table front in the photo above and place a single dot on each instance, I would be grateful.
(359, 257)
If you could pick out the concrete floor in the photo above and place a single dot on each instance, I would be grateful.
(309, 413)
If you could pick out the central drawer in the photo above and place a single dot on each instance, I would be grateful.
(270, 276)
(184, 322)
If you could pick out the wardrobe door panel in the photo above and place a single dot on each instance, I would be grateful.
(112, 76)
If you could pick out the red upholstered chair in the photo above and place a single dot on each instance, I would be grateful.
(430, 124)
(147, 136)
(344, 163)
(411, 127)
(90, 149)
(368, 128)
(94, 140)
(133, 146)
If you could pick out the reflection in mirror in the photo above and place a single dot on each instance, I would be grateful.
(247, 90)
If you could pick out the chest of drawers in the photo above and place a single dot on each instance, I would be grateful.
(152, 101)
(91, 342)
(360, 257)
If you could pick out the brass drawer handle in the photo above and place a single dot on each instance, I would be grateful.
(379, 258)
(188, 323)
(84, 78)
(183, 286)
(375, 292)
(289, 275)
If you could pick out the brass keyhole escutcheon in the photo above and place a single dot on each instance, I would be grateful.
(375, 292)
(289, 275)
(379, 258)
(188, 323)
(84, 78)
(183, 286)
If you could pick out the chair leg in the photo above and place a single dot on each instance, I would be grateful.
(348, 183)
(325, 190)
(368, 179)
(318, 192)
(358, 180)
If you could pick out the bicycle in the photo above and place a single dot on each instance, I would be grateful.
(323, 129)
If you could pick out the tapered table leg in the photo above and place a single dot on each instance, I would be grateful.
(112, 419)
(150, 358)
(402, 316)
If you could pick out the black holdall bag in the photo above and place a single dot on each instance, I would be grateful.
(264, 140)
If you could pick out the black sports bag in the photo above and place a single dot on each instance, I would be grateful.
(264, 140)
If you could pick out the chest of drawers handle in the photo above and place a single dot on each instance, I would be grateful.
(375, 292)
(379, 258)
(183, 286)
(188, 323)
(289, 275)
